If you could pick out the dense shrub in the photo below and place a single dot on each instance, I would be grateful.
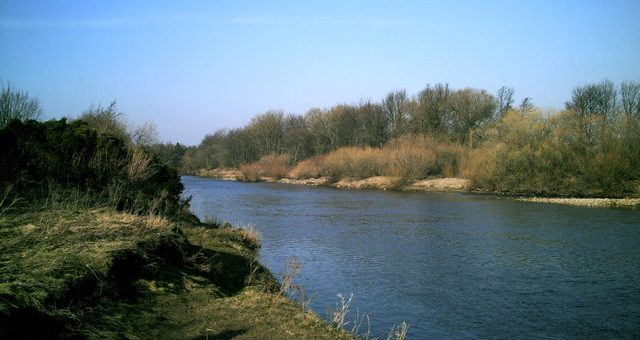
(414, 157)
(353, 162)
(308, 168)
(409, 157)
(556, 156)
(41, 157)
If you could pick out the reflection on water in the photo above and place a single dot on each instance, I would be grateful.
(451, 265)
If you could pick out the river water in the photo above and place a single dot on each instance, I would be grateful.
(451, 265)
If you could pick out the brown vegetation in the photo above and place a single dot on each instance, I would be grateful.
(590, 149)
(308, 168)
(270, 166)
(404, 159)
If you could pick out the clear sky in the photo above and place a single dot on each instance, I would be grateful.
(194, 67)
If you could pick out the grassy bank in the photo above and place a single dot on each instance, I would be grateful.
(99, 273)
(97, 242)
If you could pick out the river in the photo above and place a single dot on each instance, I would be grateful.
(451, 265)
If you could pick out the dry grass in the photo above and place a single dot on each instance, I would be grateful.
(399, 332)
(481, 165)
(339, 314)
(271, 166)
(292, 270)
(308, 168)
(419, 156)
(251, 314)
(410, 157)
(250, 236)
(274, 166)
(353, 162)
(58, 247)
(61, 262)
(250, 172)
(138, 168)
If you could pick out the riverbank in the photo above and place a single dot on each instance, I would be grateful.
(97, 273)
(376, 182)
(586, 202)
(424, 185)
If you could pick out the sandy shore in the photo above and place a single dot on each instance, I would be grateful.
(441, 185)
(225, 174)
(376, 182)
(587, 202)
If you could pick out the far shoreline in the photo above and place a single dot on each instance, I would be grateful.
(447, 184)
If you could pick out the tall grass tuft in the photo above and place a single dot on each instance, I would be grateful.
(251, 237)
(399, 332)
(339, 314)
(138, 168)
(292, 270)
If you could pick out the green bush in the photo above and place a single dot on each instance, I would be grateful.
(39, 158)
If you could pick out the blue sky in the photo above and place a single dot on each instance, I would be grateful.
(195, 67)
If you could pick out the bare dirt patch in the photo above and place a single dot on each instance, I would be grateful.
(308, 181)
(376, 182)
(440, 184)
(225, 174)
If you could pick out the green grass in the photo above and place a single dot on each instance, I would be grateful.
(98, 273)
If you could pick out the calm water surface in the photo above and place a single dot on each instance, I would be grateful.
(451, 265)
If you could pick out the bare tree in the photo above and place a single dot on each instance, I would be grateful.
(595, 100)
(433, 110)
(145, 134)
(630, 97)
(595, 107)
(343, 120)
(267, 132)
(526, 105)
(297, 138)
(470, 108)
(373, 124)
(323, 136)
(504, 101)
(395, 107)
(16, 104)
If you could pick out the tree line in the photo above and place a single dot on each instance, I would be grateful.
(589, 148)
(436, 110)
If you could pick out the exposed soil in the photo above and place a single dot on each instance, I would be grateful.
(441, 185)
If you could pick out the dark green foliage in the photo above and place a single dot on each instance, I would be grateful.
(169, 154)
(41, 157)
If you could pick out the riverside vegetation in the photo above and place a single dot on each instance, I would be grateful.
(96, 242)
(589, 149)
